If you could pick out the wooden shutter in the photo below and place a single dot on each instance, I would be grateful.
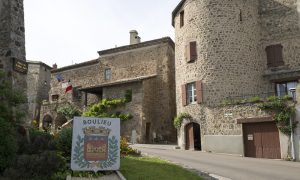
(193, 51)
(274, 55)
(199, 91)
(183, 95)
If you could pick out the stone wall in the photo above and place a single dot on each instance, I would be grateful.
(12, 42)
(229, 58)
(38, 83)
(219, 125)
(146, 68)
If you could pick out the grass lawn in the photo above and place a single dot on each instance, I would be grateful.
(153, 168)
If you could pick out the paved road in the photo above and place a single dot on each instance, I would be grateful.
(232, 167)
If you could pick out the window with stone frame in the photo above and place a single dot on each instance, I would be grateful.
(192, 93)
(107, 74)
(181, 18)
(284, 88)
(274, 55)
(55, 97)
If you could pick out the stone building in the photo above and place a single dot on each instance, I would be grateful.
(12, 44)
(234, 50)
(145, 68)
(38, 86)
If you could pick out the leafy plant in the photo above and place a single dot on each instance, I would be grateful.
(64, 142)
(69, 111)
(36, 166)
(282, 111)
(106, 107)
(10, 99)
(178, 120)
(126, 149)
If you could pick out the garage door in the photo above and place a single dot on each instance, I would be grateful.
(261, 140)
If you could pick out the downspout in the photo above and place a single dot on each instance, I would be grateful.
(293, 91)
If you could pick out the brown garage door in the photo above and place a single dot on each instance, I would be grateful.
(261, 140)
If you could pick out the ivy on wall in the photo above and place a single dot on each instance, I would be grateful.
(106, 107)
(179, 118)
(282, 109)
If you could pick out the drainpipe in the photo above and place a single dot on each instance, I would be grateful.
(293, 91)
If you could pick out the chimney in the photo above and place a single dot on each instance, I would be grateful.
(134, 38)
(54, 66)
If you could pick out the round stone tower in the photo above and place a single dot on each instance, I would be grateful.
(218, 55)
(228, 53)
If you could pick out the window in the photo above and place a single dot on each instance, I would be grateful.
(283, 89)
(274, 55)
(55, 97)
(181, 18)
(107, 74)
(191, 51)
(192, 93)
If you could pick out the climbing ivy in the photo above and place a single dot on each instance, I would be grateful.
(106, 107)
(178, 119)
(282, 110)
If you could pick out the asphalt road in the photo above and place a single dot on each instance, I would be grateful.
(232, 167)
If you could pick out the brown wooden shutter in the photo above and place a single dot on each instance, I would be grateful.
(274, 55)
(193, 51)
(199, 92)
(183, 95)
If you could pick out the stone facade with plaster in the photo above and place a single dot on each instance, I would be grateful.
(12, 42)
(146, 68)
(38, 86)
(231, 39)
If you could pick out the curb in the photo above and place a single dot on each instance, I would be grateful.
(120, 175)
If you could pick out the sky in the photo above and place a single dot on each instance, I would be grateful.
(66, 32)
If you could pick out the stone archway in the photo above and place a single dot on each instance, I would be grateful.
(192, 136)
(47, 122)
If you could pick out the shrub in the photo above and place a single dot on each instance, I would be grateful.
(39, 142)
(36, 166)
(64, 142)
(126, 149)
(8, 144)
(69, 111)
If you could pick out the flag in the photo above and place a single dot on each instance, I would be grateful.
(59, 78)
(69, 87)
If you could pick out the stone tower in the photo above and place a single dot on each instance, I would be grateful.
(232, 50)
(227, 36)
(12, 43)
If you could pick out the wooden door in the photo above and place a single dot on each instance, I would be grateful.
(189, 137)
(148, 126)
(261, 140)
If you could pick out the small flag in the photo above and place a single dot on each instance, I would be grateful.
(59, 78)
(69, 87)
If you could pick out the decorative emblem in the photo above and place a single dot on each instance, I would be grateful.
(96, 143)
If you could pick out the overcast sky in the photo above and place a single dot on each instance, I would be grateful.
(72, 31)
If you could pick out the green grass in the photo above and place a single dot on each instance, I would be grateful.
(153, 168)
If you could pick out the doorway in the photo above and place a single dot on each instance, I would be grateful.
(193, 137)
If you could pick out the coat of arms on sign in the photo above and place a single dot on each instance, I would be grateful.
(96, 143)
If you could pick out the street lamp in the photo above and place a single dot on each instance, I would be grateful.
(293, 91)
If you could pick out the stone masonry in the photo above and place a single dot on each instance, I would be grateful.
(146, 68)
(12, 42)
(231, 38)
(38, 86)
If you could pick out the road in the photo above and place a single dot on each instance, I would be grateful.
(227, 166)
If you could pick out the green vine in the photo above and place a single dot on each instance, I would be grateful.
(178, 120)
(282, 110)
(106, 107)
(83, 163)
